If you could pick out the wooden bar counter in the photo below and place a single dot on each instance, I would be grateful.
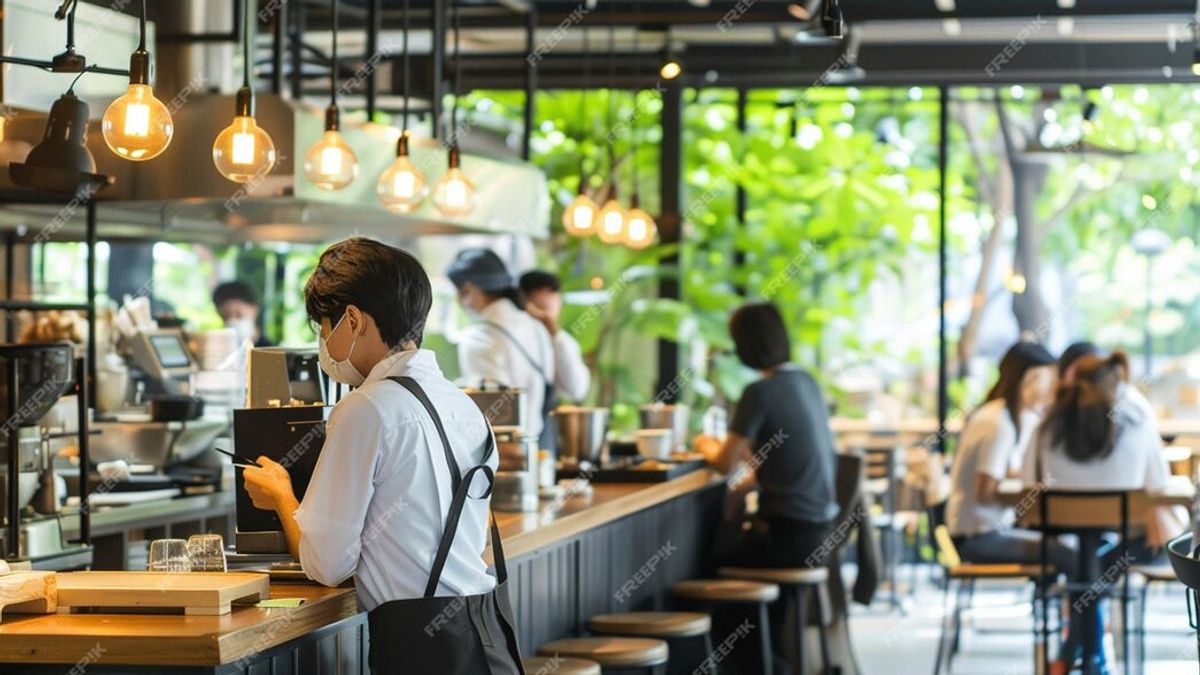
(621, 547)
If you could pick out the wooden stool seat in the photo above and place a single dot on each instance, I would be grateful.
(727, 590)
(1155, 572)
(998, 571)
(778, 575)
(653, 624)
(610, 652)
(558, 665)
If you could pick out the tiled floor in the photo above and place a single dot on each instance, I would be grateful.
(996, 639)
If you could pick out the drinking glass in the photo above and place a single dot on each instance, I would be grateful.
(169, 555)
(207, 552)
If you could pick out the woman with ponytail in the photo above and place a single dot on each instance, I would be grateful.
(1097, 436)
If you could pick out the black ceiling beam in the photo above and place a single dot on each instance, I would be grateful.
(879, 10)
(890, 64)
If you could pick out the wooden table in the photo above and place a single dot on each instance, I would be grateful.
(172, 640)
(1179, 492)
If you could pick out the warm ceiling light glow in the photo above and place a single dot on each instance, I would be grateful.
(581, 216)
(612, 222)
(798, 11)
(671, 69)
(454, 194)
(243, 152)
(330, 163)
(639, 228)
(137, 126)
(401, 187)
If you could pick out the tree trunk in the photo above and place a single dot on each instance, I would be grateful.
(1028, 307)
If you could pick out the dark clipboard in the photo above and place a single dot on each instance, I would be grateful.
(293, 437)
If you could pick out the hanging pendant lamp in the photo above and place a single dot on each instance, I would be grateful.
(137, 126)
(330, 163)
(402, 187)
(243, 151)
(582, 215)
(454, 194)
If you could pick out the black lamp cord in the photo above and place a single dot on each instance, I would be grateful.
(637, 74)
(404, 77)
(246, 47)
(457, 76)
(142, 28)
(333, 58)
(612, 84)
(584, 129)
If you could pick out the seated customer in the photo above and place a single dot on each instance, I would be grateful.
(991, 447)
(1098, 436)
(780, 430)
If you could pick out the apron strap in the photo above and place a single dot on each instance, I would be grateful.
(462, 485)
(537, 365)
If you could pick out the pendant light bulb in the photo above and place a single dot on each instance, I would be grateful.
(137, 126)
(640, 228)
(243, 151)
(454, 194)
(581, 216)
(401, 187)
(330, 163)
(612, 221)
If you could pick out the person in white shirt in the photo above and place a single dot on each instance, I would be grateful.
(543, 301)
(377, 503)
(1099, 436)
(990, 449)
(504, 344)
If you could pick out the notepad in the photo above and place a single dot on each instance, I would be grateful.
(274, 603)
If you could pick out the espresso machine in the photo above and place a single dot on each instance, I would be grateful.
(284, 419)
(516, 486)
(33, 379)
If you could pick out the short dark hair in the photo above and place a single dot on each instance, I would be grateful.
(234, 290)
(760, 336)
(539, 280)
(384, 281)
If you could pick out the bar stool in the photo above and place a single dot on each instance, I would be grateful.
(713, 592)
(672, 627)
(798, 581)
(557, 665)
(611, 653)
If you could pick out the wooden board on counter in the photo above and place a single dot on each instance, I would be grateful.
(30, 592)
(174, 640)
(194, 593)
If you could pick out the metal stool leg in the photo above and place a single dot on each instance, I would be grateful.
(798, 593)
(764, 635)
(823, 617)
(947, 629)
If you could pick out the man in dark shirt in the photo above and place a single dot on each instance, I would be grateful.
(780, 431)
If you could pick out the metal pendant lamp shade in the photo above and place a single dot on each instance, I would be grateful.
(61, 162)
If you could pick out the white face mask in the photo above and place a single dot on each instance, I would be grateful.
(242, 328)
(341, 371)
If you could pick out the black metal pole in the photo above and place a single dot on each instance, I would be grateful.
(670, 225)
(943, 148)
(278, 42)
(297, 49)
(530, 79)
(437, 65)
(10, 275)
(374, 25)
(12, 433)
(87, 379)
(739, 256)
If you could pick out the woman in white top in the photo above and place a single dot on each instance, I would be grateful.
(1098, 436)
(990, 449)
(504, 345)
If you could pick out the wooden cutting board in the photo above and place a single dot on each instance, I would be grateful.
(200, 593)
(28, 593)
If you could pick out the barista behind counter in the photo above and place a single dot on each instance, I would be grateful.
(238, 305)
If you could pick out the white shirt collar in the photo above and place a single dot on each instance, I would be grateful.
(499, 310)
(411, 362)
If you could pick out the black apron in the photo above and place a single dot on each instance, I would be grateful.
(548, 440)
(466, 635)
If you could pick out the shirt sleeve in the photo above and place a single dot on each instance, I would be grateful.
(331, 518)
(749, 416)
(571, 374)
(997, 444)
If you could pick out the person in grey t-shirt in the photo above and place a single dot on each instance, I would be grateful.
(780, 430)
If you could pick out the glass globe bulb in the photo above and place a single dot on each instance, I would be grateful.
(243, 151)
(640, 229)
(612, 222)
(137, 126)
(580, 218)
(330, 163)
(454, 194)
(401, 187)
